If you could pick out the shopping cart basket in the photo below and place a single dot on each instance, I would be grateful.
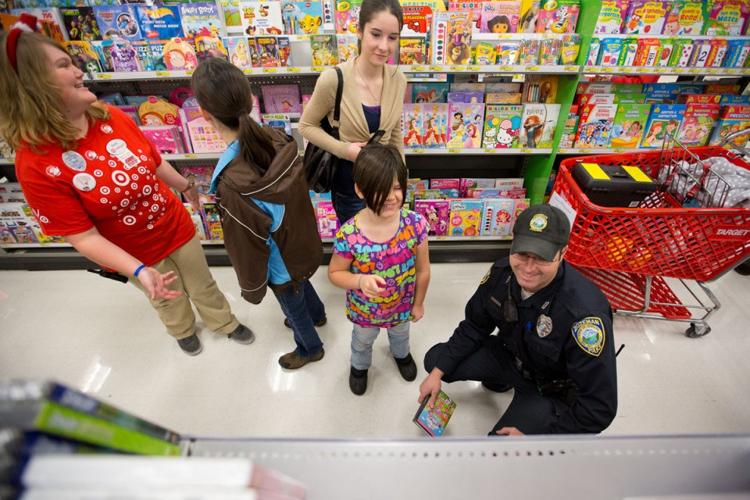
(628, 252)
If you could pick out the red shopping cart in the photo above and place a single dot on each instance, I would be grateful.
(628, 252)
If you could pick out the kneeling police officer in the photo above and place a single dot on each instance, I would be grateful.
(554, 344)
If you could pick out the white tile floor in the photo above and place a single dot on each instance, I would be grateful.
(102, 337)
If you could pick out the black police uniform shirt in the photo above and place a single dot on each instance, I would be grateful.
(578, 346)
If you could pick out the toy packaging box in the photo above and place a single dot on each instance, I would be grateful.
(434, 420)
(502, 126)
(663, 122)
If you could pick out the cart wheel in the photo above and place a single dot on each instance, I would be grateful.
(697, 330)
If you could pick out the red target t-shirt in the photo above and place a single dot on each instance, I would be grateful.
(109, 182)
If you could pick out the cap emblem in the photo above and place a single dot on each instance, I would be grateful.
(538, 223)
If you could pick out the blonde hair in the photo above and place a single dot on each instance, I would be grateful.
(30, 110)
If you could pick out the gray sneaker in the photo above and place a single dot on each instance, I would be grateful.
(242, 335)
(190, 345)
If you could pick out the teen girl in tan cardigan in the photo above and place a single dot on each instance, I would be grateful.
(372, 100)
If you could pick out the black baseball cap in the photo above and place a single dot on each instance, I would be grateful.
(542, 230)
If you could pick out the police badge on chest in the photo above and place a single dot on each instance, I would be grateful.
(543, 325)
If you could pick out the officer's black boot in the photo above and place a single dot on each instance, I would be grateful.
(495, 387)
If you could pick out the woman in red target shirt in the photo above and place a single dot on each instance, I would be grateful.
(90, 175)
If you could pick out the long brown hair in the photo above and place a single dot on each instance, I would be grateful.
(224, 91)
(30, 110)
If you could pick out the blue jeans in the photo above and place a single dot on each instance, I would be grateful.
(363, 338)
(346, 206)
(303, 308)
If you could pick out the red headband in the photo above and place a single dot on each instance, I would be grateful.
(26, 22)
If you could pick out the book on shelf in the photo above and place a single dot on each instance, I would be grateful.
(663, 122)
(560, 16)
(502, 125)
(465, 123)
(279, 121)
(499, 16)
(452, 37)
(207, 47)
(437, 215)
(465, 217)
(261, 18)
(166, 138)
(201, 19)
(80, 23)
(159, 22)
(497, 217)
(324, 50)
(239, 51)
(347, 47)
(595, 127)
(538, 125)
(301, 17)
(347, 16)
(281, 98)
(62, 411)
(697, 124)
(434, 420)
(119, 21)
(629, 124)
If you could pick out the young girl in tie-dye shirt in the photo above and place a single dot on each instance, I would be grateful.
(380, 257)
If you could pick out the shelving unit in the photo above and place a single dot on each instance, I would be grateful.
(535, 165)
(605, 467)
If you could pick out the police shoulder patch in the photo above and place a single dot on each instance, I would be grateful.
(589, 335)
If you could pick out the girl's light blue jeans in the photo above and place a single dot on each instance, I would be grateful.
(364, 337)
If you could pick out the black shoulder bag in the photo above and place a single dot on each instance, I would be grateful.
(320, 165)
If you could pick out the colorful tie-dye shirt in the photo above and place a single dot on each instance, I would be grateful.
(394, 261)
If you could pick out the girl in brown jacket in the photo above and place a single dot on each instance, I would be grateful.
(269, 224)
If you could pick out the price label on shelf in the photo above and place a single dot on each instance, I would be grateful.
(317, 69)
(526, 151)
(506, 68)
(189, 72)
(455, 151)
(190, 155)
(630, 69)
(459, 68)
(103, 76)
(415, 151)
(572, 69)
(585, 151)
(489, 150)
(163, 74)
(270, 70)
(438, 68)
(474, 69)
(417, 68)
(248, 71)
(294, 69)
(532, 68)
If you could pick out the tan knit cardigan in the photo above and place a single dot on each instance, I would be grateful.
(353, 125)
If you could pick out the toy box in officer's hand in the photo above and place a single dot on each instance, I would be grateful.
(434, 420)
(613, 185)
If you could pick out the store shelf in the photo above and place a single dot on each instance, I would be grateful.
(650, 70)
(671, 37)
(314, 70)
(492, 37)
(604, 467)
(601, 151)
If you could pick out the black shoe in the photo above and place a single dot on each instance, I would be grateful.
(319, 323)
(242, 335)
(743, 269)
(190, 345)
(407, 368)
(358, 381)
(490, 386)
